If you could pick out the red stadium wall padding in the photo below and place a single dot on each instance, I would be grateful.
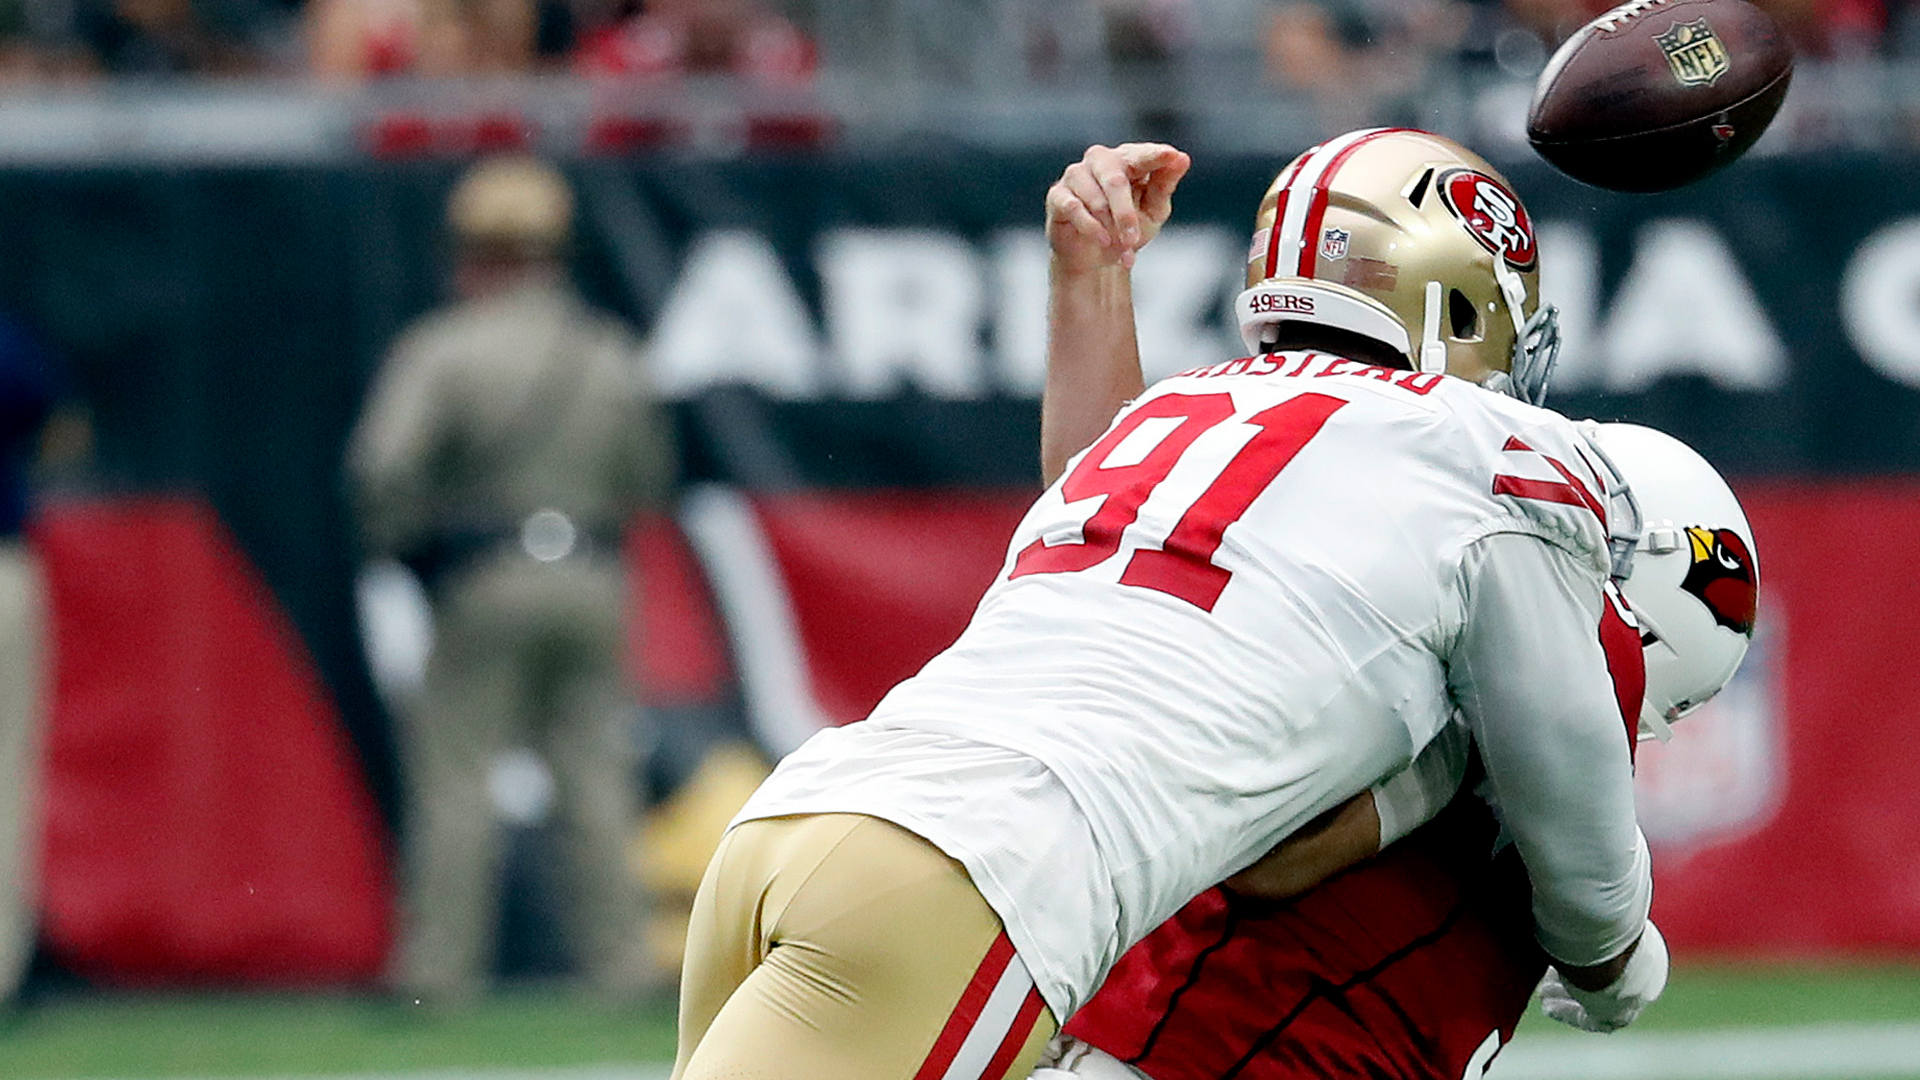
(881, 581)
(677, 653)
(205, 819)
(1825, 859)
(1783, 815)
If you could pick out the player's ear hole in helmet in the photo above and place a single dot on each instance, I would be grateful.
(1463, 316)
(1695, 581)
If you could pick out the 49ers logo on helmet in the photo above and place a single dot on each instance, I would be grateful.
(1491, 213)
(1722, 577)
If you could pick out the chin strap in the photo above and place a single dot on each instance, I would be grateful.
(1536, 341)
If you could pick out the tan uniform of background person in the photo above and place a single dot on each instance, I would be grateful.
(506, 442)
(28, 392)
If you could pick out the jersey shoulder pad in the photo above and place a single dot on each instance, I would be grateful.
(1538, 468)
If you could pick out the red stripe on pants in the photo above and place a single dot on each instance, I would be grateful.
(1016, 1037)
(967, 1012)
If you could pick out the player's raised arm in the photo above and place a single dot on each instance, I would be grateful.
(1100, 213)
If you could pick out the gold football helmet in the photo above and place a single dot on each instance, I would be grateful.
(1409, 239)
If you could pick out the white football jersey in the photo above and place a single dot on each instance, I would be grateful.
(1264, 589)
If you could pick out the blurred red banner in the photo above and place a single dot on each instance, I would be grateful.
(205, 818)
(1783, 814)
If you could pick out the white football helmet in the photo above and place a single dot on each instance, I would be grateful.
(1411, 240)
(1695, 582)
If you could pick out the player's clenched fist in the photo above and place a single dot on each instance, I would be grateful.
(1111, 202)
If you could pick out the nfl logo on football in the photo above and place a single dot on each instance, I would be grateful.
(1333, 245)
(1697, 57)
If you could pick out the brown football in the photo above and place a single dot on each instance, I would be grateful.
(1658, 93)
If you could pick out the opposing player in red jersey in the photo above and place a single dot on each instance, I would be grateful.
(1418, 962)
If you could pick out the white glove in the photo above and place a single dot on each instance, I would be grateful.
(1067, 1058)
(1616, 1006)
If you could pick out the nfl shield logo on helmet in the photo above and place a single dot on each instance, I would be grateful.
(1696, 55)
(1333, 244)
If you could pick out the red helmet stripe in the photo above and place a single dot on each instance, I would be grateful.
(1298, 194)
(1317, 208)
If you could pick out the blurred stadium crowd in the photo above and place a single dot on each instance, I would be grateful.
(565, 76)
(1344, 47)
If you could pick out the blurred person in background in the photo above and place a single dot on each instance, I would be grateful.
(506, 442)
(187, 37)
(1517, 36)
(666, 40)
(356, 40)
(1145, 40)
(27, 390)
(38, 43)
(1361, 61)
(1838, 29)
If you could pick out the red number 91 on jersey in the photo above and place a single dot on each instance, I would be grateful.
(1182, 566)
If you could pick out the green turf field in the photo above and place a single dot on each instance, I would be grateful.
(156, 1035)
(1739, 995)
(133, 1036)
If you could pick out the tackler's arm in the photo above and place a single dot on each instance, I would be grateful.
(1100, 213)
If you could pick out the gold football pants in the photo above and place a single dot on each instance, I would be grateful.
(841, 947)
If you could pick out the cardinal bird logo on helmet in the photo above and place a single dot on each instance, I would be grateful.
(1722, 578)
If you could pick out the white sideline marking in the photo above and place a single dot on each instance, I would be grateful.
(1798, 1053)
(1812, 1052)
(610, 1071)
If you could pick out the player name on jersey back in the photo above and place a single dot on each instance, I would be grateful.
(1313, 365)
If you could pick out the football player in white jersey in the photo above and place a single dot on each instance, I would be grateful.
(1267, 587)
(1415, 963)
